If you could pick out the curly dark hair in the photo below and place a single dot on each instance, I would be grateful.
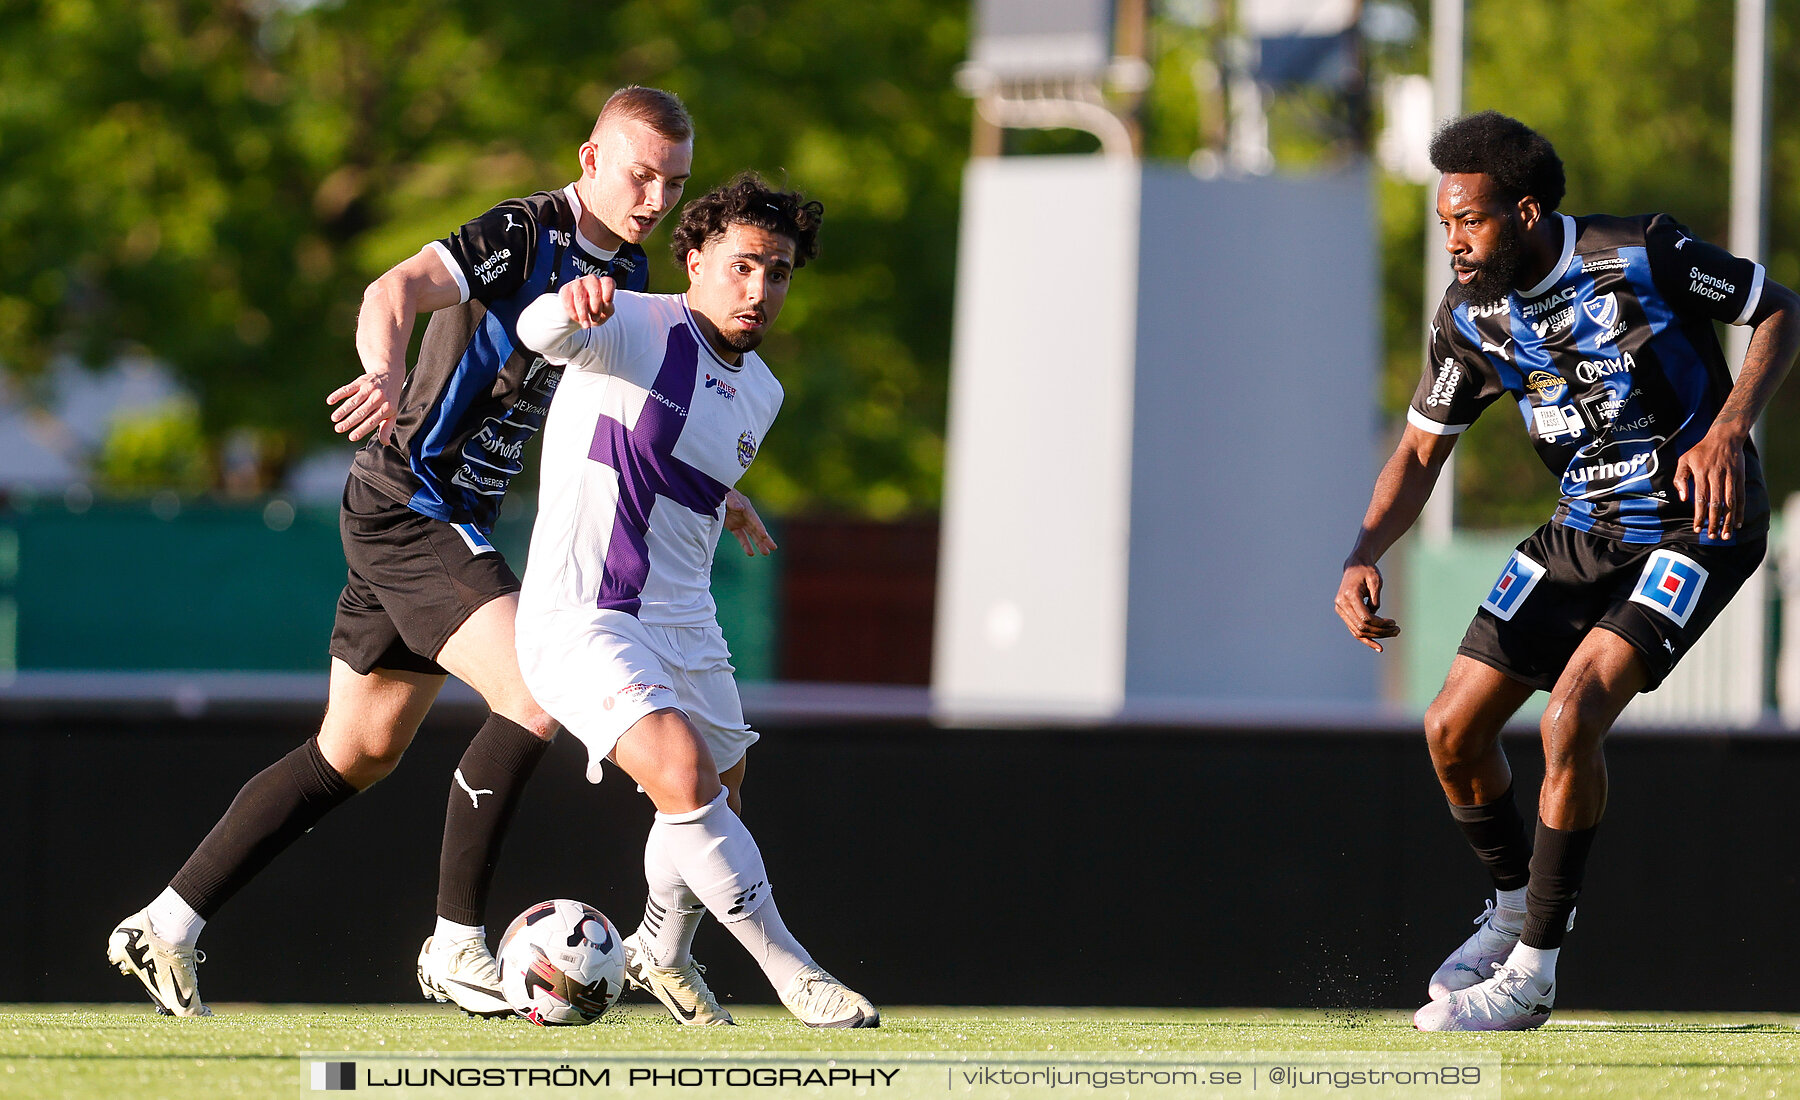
(750, 200)
(1504, 150)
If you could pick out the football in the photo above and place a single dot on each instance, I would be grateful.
(561, 962)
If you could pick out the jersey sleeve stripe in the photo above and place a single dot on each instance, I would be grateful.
(1752, 299)
(462, 283)
(1418, 420)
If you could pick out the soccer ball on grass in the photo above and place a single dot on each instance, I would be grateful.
(561, 962)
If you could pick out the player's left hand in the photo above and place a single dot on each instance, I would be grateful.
(1711, 476)
(741, 520)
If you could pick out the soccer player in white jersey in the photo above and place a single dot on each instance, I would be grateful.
(661, 409)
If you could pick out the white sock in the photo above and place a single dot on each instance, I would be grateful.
(173, 919)
(719, 860)
(1509, 910)
(1538, 962)
(449, 932)
(770, 943)
(672, 912)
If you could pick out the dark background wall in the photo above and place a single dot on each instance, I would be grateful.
(928, 866)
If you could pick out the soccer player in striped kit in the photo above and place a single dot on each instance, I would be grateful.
(1600, 330)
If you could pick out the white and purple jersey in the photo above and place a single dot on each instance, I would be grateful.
(648, 431)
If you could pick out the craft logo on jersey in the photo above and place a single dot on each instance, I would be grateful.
(1548, 386)
(746, 450)
(721, 387)
(1516, 582)
(1671, 584)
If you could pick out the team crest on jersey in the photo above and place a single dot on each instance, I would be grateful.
(1603, 311)
(721, 387)
(746, 450)
(1671, 584)
(1516, 582)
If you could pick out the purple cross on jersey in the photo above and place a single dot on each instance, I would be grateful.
(645, 460)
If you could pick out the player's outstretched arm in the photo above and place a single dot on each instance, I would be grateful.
(741, 520)
(419, 284)
(1711, 474)
(559, 326)
(1400, 494)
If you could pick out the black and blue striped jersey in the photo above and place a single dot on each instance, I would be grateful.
(476, 396)
(1615, 367)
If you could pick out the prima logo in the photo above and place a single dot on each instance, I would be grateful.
(1592, 370)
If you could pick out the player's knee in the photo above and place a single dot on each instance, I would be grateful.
(1572, 729)
(1448, 737)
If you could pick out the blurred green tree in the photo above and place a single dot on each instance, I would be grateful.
(215, 181)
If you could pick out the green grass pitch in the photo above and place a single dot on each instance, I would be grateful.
(124, 1052)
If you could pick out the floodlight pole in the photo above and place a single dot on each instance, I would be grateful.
(1749, 149)
(1439, 519)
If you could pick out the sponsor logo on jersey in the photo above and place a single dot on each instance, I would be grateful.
(1601, 468)
(1444, 388)
(746, 450)
(721, 387)
(1503, 350)
(1516, 582)
(1547, 303)
(1681, 239)
(1547, 386)
(510, 224)
(494, 266)
(1709, 286)
(668, 402)
(561, 237)
(1592, 370)
(1502, 306)
(1554, 421)
(1670, 584)
(1554, 323)
(1605, 263)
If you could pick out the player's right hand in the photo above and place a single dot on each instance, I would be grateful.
(363, 406)
(589, 299)
(1358, 598)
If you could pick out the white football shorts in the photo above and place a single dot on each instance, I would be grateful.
(599, 673)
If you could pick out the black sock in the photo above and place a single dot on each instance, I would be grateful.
(279, 803)
(1557, 869)
(1497, 833)
(484, 795)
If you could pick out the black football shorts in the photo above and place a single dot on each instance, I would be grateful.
(413, 581)
(1561, 583)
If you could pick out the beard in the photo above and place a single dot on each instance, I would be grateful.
(742, 340)
(1496, 276)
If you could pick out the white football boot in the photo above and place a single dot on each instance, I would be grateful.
(166, 969)
(464, 975)
(1473, 962)
(681, 989)
(820, 1000)
(1508, 1001)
